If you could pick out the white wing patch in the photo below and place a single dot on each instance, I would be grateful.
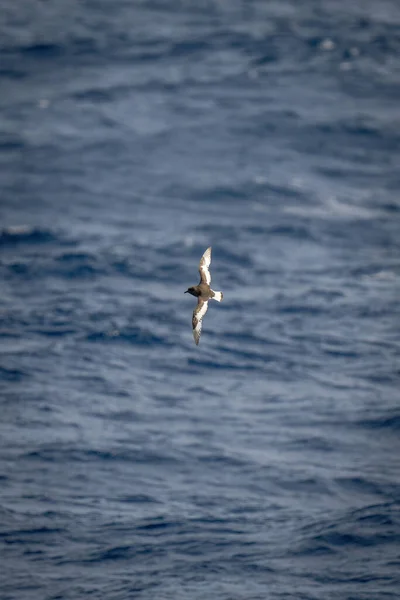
(204, 265)
(198, 314)
(218, 296)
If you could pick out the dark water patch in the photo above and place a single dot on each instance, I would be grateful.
(127, 552)
(27, 319)
(78, 270)
(383, 518)
(65, 455)
(42, 50)
(340, 353)
(383, 377)
(384, 423)
(314, 443)
(10, 374)
(308, 485)
(13, 236)
(75, 265)
(13, 72)
(359, 485)
(356, 127)
(326, 294)
(123, 416)
(30, 536)
(390, 207)
(187, 47)
(204, 391)
(139, 499)
(159, 525)
(314, 548)
(218, 194)
(369, 527)
(116, 553)
(54, 330)
(337, 539)
(75, 257)
(19, 268)
(347, 171)
(9, 144)
(221, 460)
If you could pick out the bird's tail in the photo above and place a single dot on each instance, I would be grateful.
(218, 296)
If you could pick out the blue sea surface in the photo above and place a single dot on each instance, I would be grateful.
(264, 463)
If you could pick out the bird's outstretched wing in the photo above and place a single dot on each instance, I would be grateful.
(198, 314)
(204, 265)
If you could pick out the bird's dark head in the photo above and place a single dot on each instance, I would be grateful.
(192, 290)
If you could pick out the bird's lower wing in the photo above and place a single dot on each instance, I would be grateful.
(204, 267)
(198, 314)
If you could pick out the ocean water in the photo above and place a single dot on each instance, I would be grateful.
(264, 463)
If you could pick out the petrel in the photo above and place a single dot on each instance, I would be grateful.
(203, 293)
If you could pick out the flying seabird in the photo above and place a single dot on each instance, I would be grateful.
(203, 293)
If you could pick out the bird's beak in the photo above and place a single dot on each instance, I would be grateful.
(185, 292)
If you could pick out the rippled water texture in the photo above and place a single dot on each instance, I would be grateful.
(263, 463)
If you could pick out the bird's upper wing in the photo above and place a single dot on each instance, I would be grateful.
(198, 314)
(204, 265)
